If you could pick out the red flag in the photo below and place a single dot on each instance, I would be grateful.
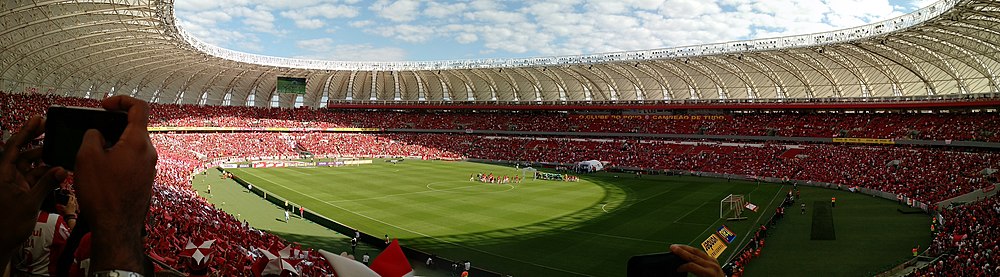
(199, 252)
(959, 237)
(392, 262)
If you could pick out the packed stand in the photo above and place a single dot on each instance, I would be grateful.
(973, 127)
(926, 174)
(179, 214)
(968, 240)
(944, 126)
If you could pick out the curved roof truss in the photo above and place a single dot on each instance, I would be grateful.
(91, 48)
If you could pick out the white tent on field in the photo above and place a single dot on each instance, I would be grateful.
(590, 166)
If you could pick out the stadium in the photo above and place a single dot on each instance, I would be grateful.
(864, 151)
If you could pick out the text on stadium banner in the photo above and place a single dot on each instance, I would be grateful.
(649, 117)
(864, 140)
(727, 234)
(714, 245)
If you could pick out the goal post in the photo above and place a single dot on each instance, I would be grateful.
(731, 207)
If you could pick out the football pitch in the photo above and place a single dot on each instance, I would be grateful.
(542, 228)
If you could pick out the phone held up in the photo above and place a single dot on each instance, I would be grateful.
(655, 265)
(65, 127)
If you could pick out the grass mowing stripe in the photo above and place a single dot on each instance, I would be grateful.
(431, 190)
(419, 233)
(822, 222)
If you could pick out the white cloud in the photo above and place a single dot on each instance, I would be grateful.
(328, 11)
(398, 11)
(361, 23)
(309, 17)
(466, 38)
(225, 38)
(211, 17)
(524, 27)
(197, 5)
(315, 45)
(405, 32)
(259, 18)
(439, 10)
(357, 52)
(309, 23)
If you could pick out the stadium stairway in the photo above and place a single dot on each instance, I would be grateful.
(791, 153)
(976, 195)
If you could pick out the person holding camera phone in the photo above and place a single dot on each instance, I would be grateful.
(698, 263)
(680, 261)
(113, 185)
(37, 255)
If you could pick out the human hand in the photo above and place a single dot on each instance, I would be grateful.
(115, 185)
(71, 206)
(699, 262)
(23, 186)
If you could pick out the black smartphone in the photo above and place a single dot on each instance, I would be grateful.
(655, 265)
(65, 126)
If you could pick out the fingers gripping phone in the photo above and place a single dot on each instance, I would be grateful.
(65, 127)
(655, 265)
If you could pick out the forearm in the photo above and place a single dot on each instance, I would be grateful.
(117, 249)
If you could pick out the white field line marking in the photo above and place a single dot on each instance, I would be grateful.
(712, 226)
(617, 237)
(415, 232)
(689, 213)
(755, 223)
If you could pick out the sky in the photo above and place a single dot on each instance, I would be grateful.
(425, 30)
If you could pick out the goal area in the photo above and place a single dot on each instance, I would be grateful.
(731, 207)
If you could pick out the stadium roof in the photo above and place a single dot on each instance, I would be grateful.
(93, 47)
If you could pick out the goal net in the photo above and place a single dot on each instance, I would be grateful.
(731, 207)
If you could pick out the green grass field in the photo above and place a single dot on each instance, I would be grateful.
(539, 228)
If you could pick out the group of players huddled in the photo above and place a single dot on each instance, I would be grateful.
(556, 177)
(495, 179)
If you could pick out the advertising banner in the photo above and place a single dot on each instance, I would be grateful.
(727, 234)
(864, 140)
(639, 117)
(714, 245)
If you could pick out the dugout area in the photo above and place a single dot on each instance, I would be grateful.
(598, 238)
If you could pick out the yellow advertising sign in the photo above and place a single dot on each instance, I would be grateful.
(714, 246)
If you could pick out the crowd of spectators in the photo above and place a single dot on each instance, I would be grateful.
(942, 126)
(945, 126)
(927, 174)
(967, 238)
(178, 214)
